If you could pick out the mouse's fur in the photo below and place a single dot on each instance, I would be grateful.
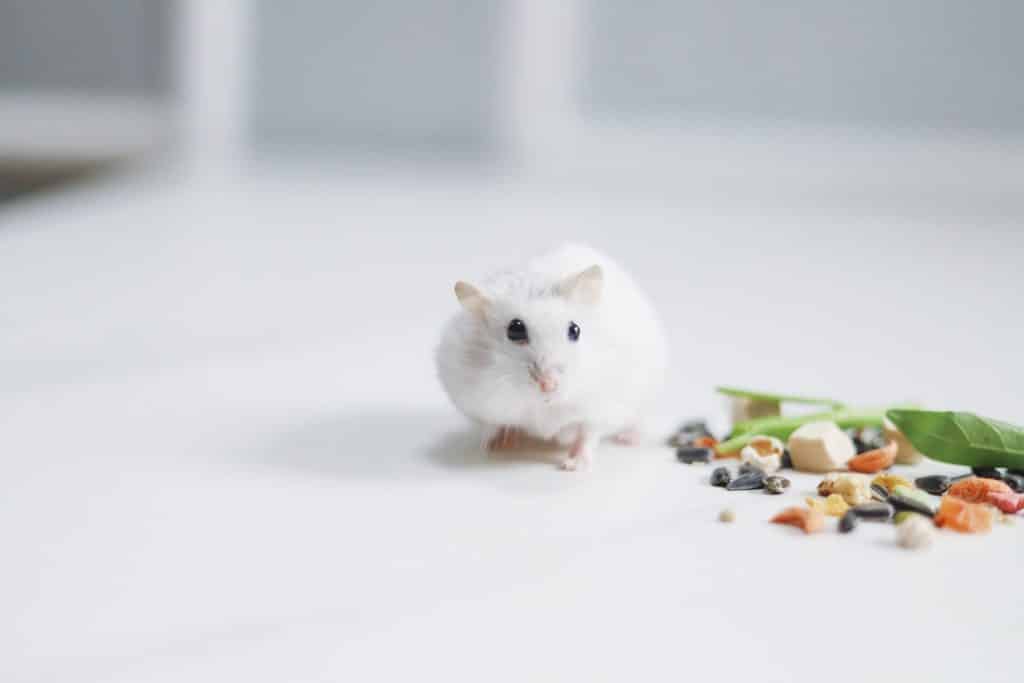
(551, 387)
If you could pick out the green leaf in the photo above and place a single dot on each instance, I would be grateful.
(778, 398)
(962, 438)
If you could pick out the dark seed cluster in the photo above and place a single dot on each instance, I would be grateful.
(692, 454)
(689, 432)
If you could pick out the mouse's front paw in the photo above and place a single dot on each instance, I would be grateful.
(571, 463)
(576, 459)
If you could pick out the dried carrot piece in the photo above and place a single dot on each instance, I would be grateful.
(705, 442)
(1010, 503)
(807, 519)
(976, 489)
(956, 513)
(874, 461)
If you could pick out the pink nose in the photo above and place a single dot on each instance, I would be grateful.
(547, 383)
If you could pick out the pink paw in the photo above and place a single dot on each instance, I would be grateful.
(571, 463)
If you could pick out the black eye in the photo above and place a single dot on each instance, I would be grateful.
(517, 331)
(574, 331)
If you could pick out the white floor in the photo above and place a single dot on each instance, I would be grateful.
(226, 457)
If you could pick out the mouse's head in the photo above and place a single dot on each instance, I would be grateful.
(535, 342)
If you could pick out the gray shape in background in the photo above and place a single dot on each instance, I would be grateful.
(930, 64)
(388, 75)
(100, 46)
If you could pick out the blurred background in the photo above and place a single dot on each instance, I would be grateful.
(228, 234)
(502, 83)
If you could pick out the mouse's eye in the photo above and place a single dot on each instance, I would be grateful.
(517, 331)
(574, 331)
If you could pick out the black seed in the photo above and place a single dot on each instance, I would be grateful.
(879, 493)
(848, 522)
(871, 438)
(689, 432)
(935, 484)
(775, 484)
(720, 476)
(907, 503)
(787, 460)
(987, 473)
(747, 482)
(1014, 481)
(690, 455)
(880, 512)
(747, 468)
(958, 477)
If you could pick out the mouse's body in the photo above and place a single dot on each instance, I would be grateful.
(565, 347)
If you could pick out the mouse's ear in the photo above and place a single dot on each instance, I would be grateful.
(470, 297)
(584, 287)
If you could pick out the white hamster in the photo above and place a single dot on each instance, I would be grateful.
(566, 347)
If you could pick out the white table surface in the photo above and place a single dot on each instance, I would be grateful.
(226, 456)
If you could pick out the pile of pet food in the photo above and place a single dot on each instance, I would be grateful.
(852, 449)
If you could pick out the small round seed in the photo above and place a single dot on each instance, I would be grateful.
(935, 484)
(720, 476)
(747, 482)
(848, 522)
(876, 512)
(727, 515)
(689, 454)
(776, 484)
(786, 461)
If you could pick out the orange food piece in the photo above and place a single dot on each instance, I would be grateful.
(970, 518)
(705, 442)
(1010, 503)
(976, 489)
(804, 518)
(874, 461)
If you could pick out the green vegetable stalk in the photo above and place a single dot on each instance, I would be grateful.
(782, 427)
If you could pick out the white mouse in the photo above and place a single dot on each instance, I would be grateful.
(566, 347)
